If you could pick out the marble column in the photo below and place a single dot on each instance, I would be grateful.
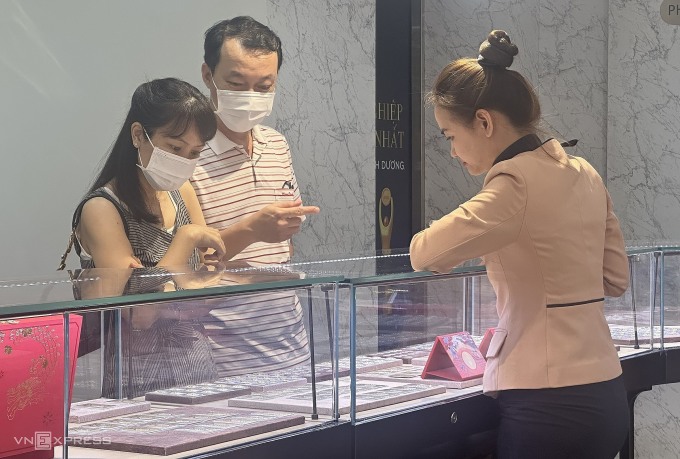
(572, 75)
(325, 106)
(644, 102)
(453, 29)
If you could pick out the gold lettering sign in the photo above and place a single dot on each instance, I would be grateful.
(390, 111)
(389, 138)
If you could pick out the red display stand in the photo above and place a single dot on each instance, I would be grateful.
(454, 357)
(31, 384)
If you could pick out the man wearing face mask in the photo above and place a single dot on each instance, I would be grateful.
(247, 189)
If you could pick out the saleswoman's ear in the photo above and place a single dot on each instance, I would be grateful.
(484, 121)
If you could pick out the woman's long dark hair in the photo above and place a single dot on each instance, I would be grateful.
(167, 103)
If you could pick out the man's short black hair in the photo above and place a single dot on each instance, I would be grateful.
(253, 36)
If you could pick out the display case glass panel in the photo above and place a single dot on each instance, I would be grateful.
(668, 315)
(398, 318)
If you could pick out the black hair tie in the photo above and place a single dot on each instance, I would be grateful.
(487, 63)
(569, 143)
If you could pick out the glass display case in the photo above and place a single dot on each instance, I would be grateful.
(409, 311)
(399, 315)
(172, 362)
(165, 362)
(438, 325)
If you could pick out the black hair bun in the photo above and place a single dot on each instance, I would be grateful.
(497, 50)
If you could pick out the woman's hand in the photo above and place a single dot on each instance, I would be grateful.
(135, 263)
(203, 238)
(190, 237)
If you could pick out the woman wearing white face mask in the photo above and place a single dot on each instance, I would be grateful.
(141, 211)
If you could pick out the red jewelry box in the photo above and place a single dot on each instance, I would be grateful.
(454, 357)
(31, 384)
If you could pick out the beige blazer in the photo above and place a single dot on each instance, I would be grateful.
(544, 225)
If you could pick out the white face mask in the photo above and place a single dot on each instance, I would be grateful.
(240, 111)
(166, 171)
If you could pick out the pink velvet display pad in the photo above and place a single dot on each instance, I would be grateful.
(260, 382)
(175, 430)
(323, 370)
(455, 357)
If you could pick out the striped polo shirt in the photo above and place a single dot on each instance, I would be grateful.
(231, 185)
(257, 332)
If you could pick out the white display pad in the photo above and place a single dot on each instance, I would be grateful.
(260, 382)
(411, 374)
(625, 334)
(102, 408)
(198, 393)
(369, 395)
(323, 370)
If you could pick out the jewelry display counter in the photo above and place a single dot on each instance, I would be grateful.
(401, 314)
(347, 357)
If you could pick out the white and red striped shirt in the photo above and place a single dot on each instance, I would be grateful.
(264, 331)
(231, 185)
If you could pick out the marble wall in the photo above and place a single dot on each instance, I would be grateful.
(657, 423)
(325, 107)
(644, 102)
(572, 74)
(563, 54)
(642, 169)
(453, 29)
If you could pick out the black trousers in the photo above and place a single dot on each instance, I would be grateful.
(580, 422)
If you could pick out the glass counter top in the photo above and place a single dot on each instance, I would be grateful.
(84, 289)
(95, 288)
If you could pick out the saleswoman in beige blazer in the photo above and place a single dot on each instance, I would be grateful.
(544, 225)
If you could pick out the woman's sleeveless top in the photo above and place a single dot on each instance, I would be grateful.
(149, 242)
(170, 352)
